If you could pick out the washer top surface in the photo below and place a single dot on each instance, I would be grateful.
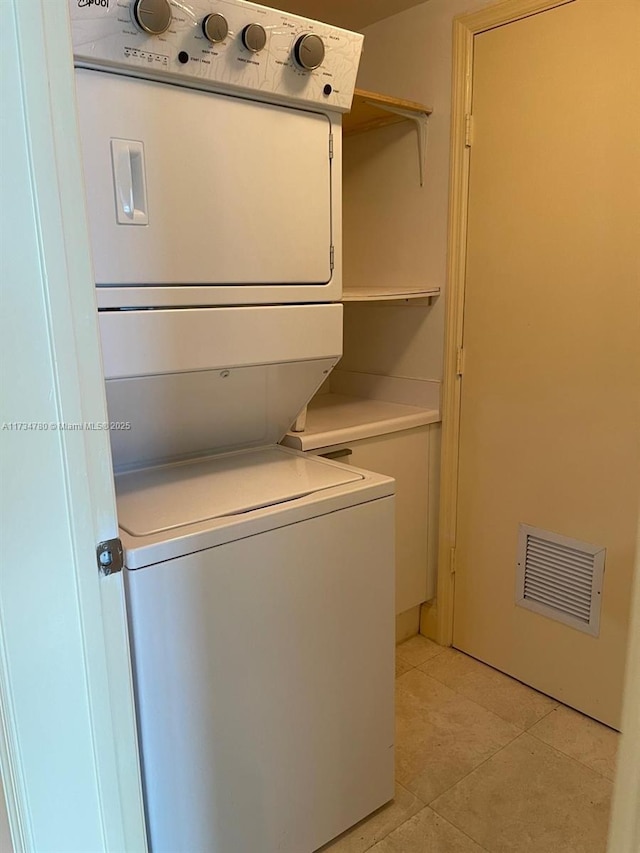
(163, 498)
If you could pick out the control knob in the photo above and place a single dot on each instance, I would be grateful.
(152, 16)
(308, 51)
(215, 28)
(254, 37)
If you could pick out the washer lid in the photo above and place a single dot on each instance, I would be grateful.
(154, 500)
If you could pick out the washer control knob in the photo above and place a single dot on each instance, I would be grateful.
(254, 37)
(152, 16)
(308, 51)
(215, 28)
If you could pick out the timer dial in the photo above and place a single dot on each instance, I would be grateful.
(308, 51)
(254, 37)
(152, 16)
(215, 28)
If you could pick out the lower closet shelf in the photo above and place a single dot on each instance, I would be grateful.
(336, 419)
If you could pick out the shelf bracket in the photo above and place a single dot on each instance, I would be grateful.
(300, 423)
(421, 123)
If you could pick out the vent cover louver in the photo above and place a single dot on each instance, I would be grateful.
(560, 578)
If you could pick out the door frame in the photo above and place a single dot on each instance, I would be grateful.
(625, 822)
(58, 614)
(624, 827)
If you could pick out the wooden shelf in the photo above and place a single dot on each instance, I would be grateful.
(336, 419)
(371, 110)
(385, 294)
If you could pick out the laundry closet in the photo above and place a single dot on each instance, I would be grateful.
(64, 612)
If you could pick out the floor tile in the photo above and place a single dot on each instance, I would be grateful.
(369, 831)
(427, 832)
(529, 797)
(440, 735)
(401, 666)
(417, 650)
(579, 737)
(506, 697)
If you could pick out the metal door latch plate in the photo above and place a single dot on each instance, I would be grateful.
(110, 556)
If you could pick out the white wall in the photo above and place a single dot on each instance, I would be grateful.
(68, 751)
(395, 231)
(6, 844)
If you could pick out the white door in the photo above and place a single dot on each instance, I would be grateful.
(67, 731)
(187, 187)
(550, 391)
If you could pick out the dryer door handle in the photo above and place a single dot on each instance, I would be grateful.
(129, 181)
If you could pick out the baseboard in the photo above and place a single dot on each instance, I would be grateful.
(407, 624)
(428, 620)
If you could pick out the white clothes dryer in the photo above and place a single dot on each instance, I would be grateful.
(213, 168)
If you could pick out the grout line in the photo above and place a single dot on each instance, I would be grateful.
(586, 717)
(406, 672)
(482, 763)
(563, 754)
(440, 817)
(433, 643)
(466, 834)
(422, 663)
(382, 837)
(406, 790)
(522, 734)
(543, 717)
(476, 702)
(491, 710)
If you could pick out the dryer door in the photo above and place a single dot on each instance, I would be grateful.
(186, 187)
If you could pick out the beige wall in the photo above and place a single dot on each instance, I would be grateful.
(352, 15)
(394, 231)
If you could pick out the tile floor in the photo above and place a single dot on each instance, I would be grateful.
(487, 765)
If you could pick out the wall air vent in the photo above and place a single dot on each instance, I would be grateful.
(560, 578)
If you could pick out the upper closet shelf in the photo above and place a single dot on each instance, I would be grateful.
(385, 294)
(370, 111)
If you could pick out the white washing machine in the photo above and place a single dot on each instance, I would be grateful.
(259, 582)
(260, 593)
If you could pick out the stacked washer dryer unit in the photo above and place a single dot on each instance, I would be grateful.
(259, 582)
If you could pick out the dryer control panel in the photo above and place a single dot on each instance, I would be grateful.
(223, 45)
